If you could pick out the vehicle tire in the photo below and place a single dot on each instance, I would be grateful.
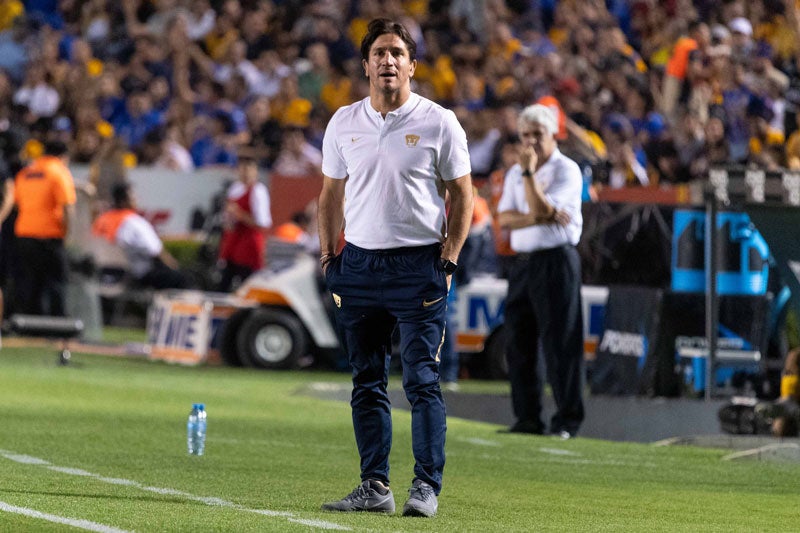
(228, 349)
(494, 355)
(273, 339)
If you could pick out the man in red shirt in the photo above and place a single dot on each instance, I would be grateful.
(247, 218)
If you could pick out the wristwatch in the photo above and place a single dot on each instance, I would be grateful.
(448, 266)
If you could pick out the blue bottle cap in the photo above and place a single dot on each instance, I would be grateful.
(201, 406)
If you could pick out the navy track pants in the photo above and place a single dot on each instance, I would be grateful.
(374, 291)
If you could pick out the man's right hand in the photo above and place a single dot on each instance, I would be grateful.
(528, 159)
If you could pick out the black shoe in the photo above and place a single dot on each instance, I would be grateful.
(531, 428)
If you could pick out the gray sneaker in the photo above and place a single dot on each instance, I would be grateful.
(371, 495)
(421, 500)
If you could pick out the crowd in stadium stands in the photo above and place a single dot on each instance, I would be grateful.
(648, 92)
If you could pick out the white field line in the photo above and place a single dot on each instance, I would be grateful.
(74, 522)
(559, 451)
(550, 458)
(208, 500)
(479, 442)
(763, 451)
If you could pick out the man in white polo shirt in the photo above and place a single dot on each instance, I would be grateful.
(541, 205)
(387, 162)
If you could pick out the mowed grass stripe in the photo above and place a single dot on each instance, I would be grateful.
(271, 446)
(72, 522)
(208, 500)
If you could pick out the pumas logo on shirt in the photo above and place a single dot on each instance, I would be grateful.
(412, 140)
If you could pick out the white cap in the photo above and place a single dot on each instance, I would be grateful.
(741, 25)
(720, 32)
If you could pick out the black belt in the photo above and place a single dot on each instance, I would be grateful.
(543, 251)
(403, 250)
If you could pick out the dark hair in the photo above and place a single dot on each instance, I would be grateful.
(55, 148)
(300, 218)
(381, 26)
(157, 135)
(120, 194)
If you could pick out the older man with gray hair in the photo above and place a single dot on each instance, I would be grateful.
(541, 205)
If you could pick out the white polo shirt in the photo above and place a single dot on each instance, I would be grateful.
(397, 166)
(562, 183)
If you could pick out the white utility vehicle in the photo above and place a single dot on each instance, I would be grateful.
(282, 314)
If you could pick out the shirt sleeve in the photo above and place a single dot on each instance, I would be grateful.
(454, 154)
(566, 190)
(506, 202)
(333, 164)
(259, 206)
(138, 234)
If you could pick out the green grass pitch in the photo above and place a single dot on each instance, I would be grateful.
(100, 445)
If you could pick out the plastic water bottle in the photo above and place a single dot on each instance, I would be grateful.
(196, 429)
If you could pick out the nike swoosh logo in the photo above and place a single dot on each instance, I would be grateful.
(428, 303)
(354, 139)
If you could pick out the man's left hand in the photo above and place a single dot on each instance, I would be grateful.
(561, 217)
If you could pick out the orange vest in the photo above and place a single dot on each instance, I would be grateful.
(288, 232)
(480, 210)
(502, 236)
(107, 224)
(41, 190)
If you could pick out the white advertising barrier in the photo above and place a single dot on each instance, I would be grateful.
(481, 309)
(183, 326)
(168, 198)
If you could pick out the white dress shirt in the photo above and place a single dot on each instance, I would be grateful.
(562, 183)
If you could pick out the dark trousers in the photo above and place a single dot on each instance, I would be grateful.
(372, 292)
(160, 276)
(232, 276)
(543, 316)
(42, 281)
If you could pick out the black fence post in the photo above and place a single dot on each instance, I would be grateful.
(712, 297)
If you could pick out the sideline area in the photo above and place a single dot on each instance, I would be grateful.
(662, 421)
(130, 349)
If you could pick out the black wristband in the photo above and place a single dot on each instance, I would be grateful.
(527, 173)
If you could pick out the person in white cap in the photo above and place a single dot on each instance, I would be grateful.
(742, 26)
(742, 45)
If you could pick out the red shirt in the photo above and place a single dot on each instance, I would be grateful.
(244, 245)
